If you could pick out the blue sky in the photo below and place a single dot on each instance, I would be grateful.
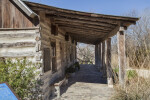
(110, 7)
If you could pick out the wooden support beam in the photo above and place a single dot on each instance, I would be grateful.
(96, 55)
(103, 60)
(100, 55)
(108, 64)
(121, 56)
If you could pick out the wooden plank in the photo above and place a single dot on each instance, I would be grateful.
(6, 15)
(108, 64)
(18, 44)
(12, 16)
(0, 13)
(122, 57)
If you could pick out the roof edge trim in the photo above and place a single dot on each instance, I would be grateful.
(25, 8)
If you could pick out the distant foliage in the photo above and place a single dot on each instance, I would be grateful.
(85, 53)
(21, 76)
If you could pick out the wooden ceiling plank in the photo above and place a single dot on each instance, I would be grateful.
(84, 29)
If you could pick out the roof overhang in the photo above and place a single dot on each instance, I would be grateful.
(82, 26)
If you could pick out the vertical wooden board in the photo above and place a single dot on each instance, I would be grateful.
(121, 56)
(108, 64)
(12, 13)
(96, 55)
(13, 17)
(6, 14)
(0, 13)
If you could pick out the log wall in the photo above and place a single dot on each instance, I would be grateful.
(18, 43)
(62, 54)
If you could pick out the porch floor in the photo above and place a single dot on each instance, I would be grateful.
(86, 84)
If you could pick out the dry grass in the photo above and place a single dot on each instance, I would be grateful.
(136, 89)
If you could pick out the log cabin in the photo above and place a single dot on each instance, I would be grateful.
(48, 35)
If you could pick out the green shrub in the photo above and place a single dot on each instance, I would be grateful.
(131, 74)
(21, 76)
(116, 70)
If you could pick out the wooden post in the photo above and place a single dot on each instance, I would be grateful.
(96, 54)
(99, 55)
(108, 63)
(121, 56)
(103, 59)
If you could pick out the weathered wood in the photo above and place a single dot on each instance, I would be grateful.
(109, 35)
(68, 22)
(96, 55)
(19, 29)
(99, 55)
(85, 26)
(121, 57)
(0, 13)
(54, 10)
(22, 35)
(108, 64)
(18, 44)
(13, 17)
(103, 60)
(18, 54)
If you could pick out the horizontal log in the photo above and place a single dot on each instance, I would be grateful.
(19, 35)
(17, 29)
(18, 44)
(17, 54)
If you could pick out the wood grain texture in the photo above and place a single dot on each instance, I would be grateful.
(108, 63)
(13, 17)
(18, 44)
(122, 57)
